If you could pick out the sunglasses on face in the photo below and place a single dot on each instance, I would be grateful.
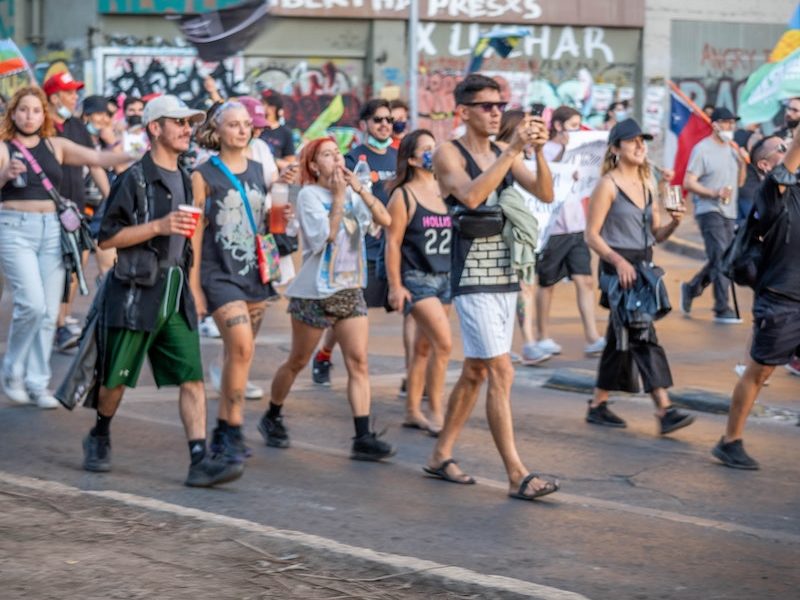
(779, 148)
(379, 120)
(488, 106)
(184, 122)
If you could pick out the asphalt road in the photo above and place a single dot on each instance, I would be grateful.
(638, 516)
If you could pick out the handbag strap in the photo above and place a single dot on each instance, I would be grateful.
(48, 185)
(239, 187)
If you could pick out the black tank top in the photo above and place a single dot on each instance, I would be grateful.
(34, 190)
(482, 265)
(426, 242)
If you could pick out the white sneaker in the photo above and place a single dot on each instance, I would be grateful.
(15, 390)
(532, 354)
(549, 346)
(515, 358)
(44, 399)
(595, 347)
(208, 328)
(251, 391)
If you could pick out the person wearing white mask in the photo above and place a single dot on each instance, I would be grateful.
(714, 175)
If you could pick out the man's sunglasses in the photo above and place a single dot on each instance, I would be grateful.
(379, 120)
(488, 106)
(779, 148)
(183, 122)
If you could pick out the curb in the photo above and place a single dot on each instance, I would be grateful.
(678, 245)
(582, 381)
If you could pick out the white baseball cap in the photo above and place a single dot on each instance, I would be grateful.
(171, 107)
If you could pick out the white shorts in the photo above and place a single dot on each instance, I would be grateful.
(487, 323)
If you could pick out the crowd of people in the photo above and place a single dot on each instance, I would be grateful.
(195, 230)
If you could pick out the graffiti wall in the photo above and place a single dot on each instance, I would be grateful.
(584, 67)
(141, 71)
(711, 61)
(309, 85)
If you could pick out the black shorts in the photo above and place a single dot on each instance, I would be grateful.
(776, 329)
(563, 256)
(377, 291)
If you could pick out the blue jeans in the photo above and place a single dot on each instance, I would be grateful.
(30, 255)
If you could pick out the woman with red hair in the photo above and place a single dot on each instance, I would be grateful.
(334, 211)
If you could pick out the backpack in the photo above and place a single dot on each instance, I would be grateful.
(741, 261)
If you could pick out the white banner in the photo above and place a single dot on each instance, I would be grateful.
(574, 178)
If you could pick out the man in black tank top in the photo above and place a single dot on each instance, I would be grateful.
(472, 171)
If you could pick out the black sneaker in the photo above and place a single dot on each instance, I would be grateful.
(403, 389)
(674, 419)
(231, 446)
(602, 415)
(97, 453)
(321, 371)
(213, 470)
(727, 317)
(733, 455)
(369, 447)
(273, 432)
(66, 339)
(686, 299)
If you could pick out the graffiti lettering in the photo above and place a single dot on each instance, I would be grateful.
(728, 60)
(181, 74)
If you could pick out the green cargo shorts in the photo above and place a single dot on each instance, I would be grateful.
(173, 348)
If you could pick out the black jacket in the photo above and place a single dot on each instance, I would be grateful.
(634, 310)
(130, 306)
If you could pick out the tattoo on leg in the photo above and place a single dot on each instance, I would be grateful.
(237, 320)
(256, 314)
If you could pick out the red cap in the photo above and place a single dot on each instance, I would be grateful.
(61, 82)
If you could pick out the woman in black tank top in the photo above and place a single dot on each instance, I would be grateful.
(30, 239)
(622, 227)
(417, 265)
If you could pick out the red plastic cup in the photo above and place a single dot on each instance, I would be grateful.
(280, 198)
(196, 214)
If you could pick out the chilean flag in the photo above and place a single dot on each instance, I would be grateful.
(689, 128)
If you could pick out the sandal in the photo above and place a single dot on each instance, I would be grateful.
(441, 473)
(549, 488)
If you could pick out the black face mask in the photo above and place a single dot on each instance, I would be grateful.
(399, 127)
(134, 120)
(792, 123)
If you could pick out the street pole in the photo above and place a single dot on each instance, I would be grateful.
(413, 63)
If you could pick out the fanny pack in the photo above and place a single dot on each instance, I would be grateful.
(68, 213)
(480, 222)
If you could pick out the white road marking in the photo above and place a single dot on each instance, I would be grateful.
(424, 569)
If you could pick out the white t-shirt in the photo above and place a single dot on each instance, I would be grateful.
(313, 211)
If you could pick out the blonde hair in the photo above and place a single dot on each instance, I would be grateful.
(644, 171)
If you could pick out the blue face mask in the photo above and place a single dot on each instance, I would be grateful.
(371, 141)
(427, 160)
(64, 112)
(92, 129)
(399, 127)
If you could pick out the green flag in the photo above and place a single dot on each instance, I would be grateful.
(326, 118)
(767, 86)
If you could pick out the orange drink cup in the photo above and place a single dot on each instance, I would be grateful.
(280, 198)
(195, 212)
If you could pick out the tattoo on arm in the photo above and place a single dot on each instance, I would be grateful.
(237, 320)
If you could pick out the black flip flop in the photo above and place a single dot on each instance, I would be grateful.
(441, 473)
(549, 488)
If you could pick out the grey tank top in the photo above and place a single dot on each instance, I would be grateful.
(628, 227)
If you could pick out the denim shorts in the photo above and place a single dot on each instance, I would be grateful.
(426, 285)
